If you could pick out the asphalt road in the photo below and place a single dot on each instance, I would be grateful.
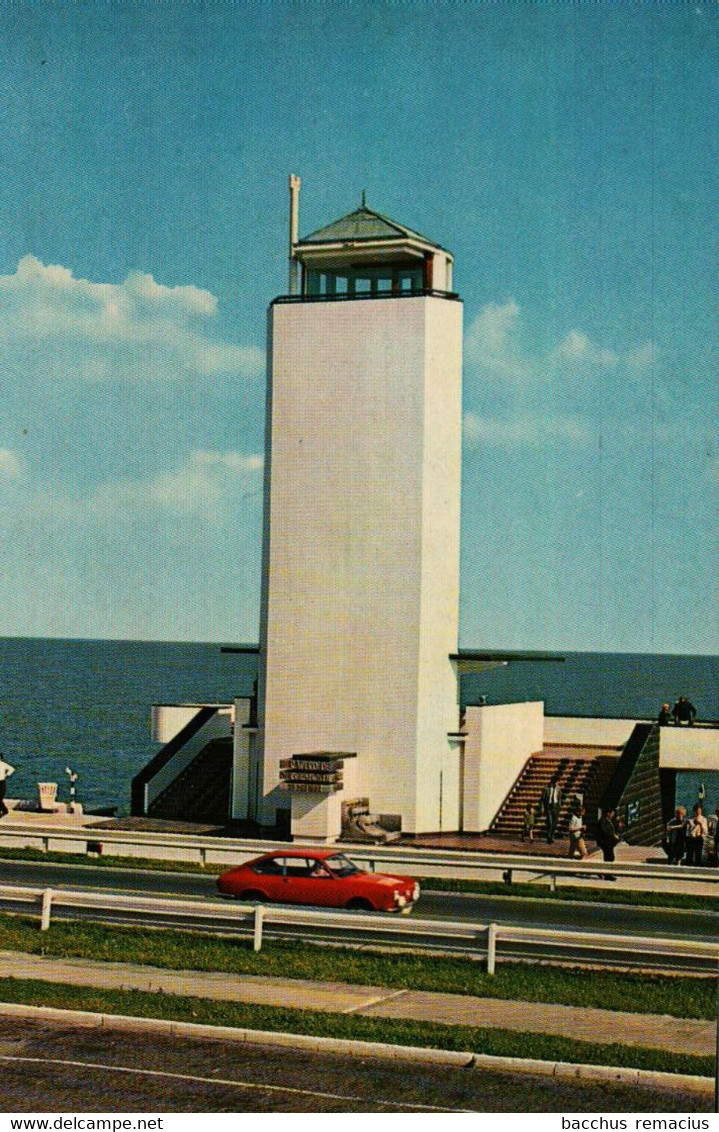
(540, 913)
(55, 1068)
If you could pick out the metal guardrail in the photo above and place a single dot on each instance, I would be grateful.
(482, 939)
(414, 862)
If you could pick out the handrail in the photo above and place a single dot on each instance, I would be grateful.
(482, 937)
(165, 754)
(419, 293)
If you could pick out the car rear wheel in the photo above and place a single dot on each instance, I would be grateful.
(253, 897)
(359, 904)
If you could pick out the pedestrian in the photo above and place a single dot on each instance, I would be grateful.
(684, 712)
(714, 837)
(697, 830)
(675, 841)
(577, 830)
(5, 771)
(608, 836)
(528, 823)
(552, 799)
(664, 718)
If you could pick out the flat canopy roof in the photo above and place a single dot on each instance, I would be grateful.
(493, 654)
(482, 660)
(467, 660)
(463, 654)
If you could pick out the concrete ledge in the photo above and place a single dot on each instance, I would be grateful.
(50, 1014)
(353, 1048)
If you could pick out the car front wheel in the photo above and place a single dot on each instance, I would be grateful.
(359, 904)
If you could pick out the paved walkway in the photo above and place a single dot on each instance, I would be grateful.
(681, 1035)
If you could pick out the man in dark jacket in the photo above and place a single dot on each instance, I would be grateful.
(664, 718)
(675, 841)
(684, 712)
(5, 771)
(608, 836)
(552, 799)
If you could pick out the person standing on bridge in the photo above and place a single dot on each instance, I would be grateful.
(675, 842)
(5, 771)
(576, 832)
(552, 799)
(664, 718)
(608, 836)
(684, 712)
(713, 823)
(528, 823)
(697, 831)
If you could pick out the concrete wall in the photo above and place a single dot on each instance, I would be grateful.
(438, 764)
(500, 739)
(635, 790)
(167, 720)
(441, 273)
(680, 748)
(318, 817)
(588, 732)
(239, 805)
(218, 727)
(689, 748)
(362, 546)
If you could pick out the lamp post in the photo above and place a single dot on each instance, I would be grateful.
(73, 779)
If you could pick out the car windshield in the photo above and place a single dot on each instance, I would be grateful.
(341, 866)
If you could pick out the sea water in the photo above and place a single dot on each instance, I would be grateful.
(86, 704)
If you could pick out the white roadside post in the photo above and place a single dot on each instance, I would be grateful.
(46, 909)
(491, 948)
(259, 919)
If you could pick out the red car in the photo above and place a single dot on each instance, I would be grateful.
(320, 877)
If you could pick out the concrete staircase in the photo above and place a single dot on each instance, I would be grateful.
(201, 792)
(585, 771)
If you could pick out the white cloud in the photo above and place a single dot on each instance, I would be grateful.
(136, 330)
(559, 391)
(525, 431)
(642, 357)
(492, 340)
(174, 554)
(578, 348)
(472, 429)
(9, 465)
(205, 487)
(495, 342)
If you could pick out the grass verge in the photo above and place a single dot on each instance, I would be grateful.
(574, 894)
(506, 1043)
(536, 891)
(182, 951)
(135, 863)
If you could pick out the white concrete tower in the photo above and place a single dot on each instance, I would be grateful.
(360, 585)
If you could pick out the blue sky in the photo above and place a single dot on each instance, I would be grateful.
(563, 152)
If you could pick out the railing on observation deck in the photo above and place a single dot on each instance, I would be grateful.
(344, 296)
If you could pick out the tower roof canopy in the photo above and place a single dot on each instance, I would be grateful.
(366, 252)
(364, 224)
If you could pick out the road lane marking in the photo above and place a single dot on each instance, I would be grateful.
(225, 1081)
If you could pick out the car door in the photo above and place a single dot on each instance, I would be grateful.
(296, 885)
(321, 886)
(269, 874)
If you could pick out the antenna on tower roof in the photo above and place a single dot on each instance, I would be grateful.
(295, 184)
(363, 203)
